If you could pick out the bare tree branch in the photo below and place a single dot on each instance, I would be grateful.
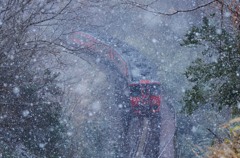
(146, 7)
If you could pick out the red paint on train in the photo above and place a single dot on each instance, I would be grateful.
(145, 97)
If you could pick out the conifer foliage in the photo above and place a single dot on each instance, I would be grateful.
(215, 75)
(30, 111)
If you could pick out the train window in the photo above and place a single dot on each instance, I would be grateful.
(155, 89)
(146, 89)
(135, 90)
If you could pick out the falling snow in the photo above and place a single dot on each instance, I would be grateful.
(16, 91)
(72, 94)
(154, 40)
(219, 31)
(42, 145)
(227, 14)
(25, 113)
(194, 129)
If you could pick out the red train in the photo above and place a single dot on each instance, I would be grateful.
(144, 95)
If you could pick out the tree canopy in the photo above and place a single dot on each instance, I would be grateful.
(30, 111)
(215, 75)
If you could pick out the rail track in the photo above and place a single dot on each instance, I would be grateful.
(167, 132)
(143, 139)
(152, 137)
(134, 136)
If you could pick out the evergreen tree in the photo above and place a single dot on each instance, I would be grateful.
(215, 75)
(30, 113)
(30, 110)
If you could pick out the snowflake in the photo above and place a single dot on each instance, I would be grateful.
(98, 60)
(42, 145)
(96, 106)
(25, 113)
(154, 40)
(227, 14)
(16, 91)
(120, 105)
(90, 114)
(194, 129)
(69, 133)
(219, 31)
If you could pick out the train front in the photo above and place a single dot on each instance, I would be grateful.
(145, 98)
